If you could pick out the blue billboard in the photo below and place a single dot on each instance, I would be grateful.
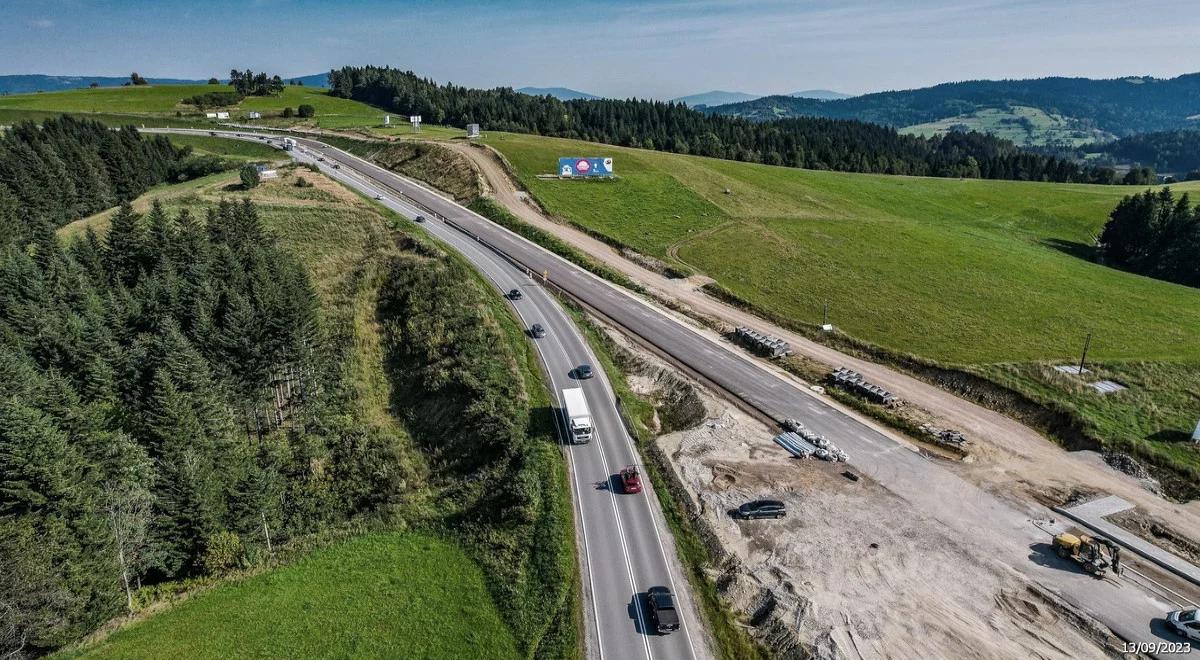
(585, 167)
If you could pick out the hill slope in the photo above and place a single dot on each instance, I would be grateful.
(715, 98)
(1122, 106)
(560, 93)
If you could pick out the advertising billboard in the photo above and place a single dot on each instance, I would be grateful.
(585, 167)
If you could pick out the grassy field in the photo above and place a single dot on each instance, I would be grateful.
(378, 596)
(1021, 124)
(235, 149)
(991, 276)
(157, 105)
(961, 271)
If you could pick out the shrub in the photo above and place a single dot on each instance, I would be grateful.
(288, 112)
(222, 552)
(306, 110)
(250, 178)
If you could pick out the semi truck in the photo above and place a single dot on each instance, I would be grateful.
(579, 418)
(288, 144)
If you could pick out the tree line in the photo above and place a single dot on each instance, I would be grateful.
(835, 144)
(248, 83)
(1155, 234)
(134, 371)
(68, 168)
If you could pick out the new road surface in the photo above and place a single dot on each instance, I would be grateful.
(626, 523)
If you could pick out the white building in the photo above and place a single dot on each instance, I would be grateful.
(255, 114)
(210, 115)
(222, 115)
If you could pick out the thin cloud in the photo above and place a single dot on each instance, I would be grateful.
(41, 23)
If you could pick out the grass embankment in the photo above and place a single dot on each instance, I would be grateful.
(967, 274)
(376, 596)
(505, 514)
(234, 149)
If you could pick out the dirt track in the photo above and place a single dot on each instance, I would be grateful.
(1012, 460)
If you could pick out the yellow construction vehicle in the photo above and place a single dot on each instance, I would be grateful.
(1089, 552)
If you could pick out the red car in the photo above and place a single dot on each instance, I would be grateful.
(631, 481)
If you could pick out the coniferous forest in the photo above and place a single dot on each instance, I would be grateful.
(813, 143)
(68, 168)
(135, 373)
(1155, 234)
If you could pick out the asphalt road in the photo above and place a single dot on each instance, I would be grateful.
(983, 521)
(624, 544)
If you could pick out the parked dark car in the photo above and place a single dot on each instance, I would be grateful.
(761, 509)
(662, 609)
(584, 372)
(515, 294)
(537, 331)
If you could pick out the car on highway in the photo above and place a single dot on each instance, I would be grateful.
(1185, 623)
(515, 294)
(537, 331)
(378, 196)
(336, 166)
(420, 218)
(631, 481)
(663, 614)
(761, 509)
(584, 372)
(320, 159)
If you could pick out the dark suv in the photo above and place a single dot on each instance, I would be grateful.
(761, 509)
(662, 610)
(515, 294)
(537, 331)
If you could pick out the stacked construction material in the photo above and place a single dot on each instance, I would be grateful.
(804, 442)
(766, 345)
(852, 381)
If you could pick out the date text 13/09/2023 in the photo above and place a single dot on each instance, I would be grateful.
(1157, 648)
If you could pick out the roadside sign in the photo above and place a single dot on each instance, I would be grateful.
(574, 167)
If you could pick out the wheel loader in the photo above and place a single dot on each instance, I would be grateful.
(1089, 552)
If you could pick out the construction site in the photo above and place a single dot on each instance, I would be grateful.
(856, 571)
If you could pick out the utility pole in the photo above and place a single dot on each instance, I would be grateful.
(1083, 359)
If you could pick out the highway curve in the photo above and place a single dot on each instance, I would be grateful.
(1006, 532)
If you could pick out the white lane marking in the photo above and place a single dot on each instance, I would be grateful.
(629, 444)
(616, 512)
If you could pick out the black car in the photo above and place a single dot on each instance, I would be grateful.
(663, 614)
(584, 371)
(761, 509)
(515, 294)
(537, 331)
(420, 218)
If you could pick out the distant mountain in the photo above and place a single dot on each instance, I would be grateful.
(25, 84)
(315, 80)
(560, 93)
(29, 83)
(821, 94)
(714, 98)
(1120, 106)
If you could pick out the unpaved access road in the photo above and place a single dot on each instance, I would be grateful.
(1015, 462)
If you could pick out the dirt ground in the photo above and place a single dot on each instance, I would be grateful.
(852, 571)
(1007, 458)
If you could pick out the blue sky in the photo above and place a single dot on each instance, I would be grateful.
(652, 48)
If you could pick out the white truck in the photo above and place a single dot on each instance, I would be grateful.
(579, 418)
(288, 144)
